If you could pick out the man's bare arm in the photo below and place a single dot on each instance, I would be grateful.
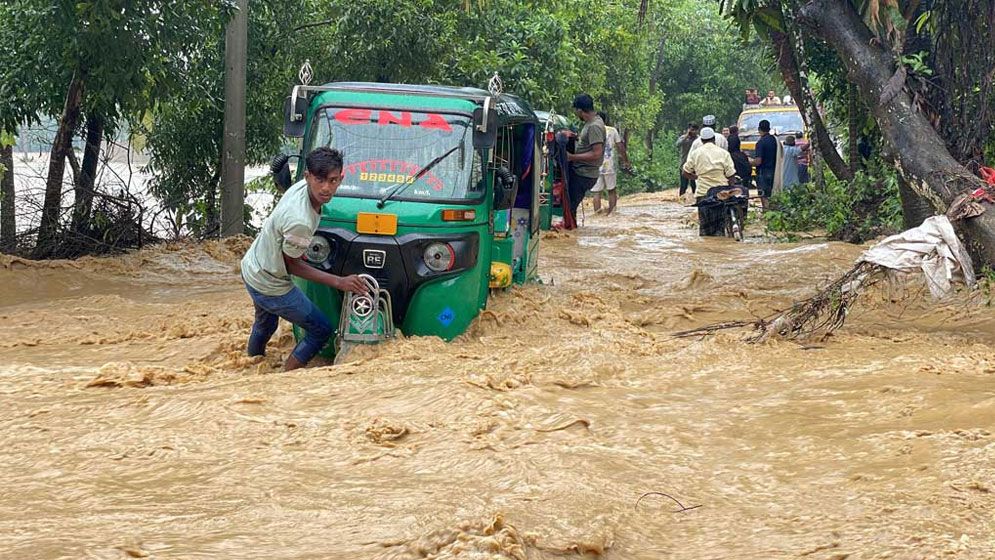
(300, 269)
(595, 155)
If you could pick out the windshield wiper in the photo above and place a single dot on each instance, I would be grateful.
(398, 187)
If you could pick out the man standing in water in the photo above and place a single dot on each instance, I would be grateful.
(276, 253)
(765, 162)
(608, 179)
(589, 151)
(684, 145)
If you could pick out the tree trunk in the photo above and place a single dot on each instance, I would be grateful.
(853, 128)
(915, 209)
(921, 156)
(51, 208)
(88, 172)
(8, 219)
(797, 81)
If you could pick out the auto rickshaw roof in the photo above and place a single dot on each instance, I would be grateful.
(558, 119)
(510, 108)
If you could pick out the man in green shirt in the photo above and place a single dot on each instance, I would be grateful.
(589, 151)
(276, 253)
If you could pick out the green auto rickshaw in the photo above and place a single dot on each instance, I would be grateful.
(554, 168)
(439, 203)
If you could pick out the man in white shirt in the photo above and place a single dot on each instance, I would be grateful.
(720, 141)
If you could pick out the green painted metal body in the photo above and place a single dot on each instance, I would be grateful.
(443, 306)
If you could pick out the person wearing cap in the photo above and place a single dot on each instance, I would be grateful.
(710, 165)
(720, 141)
(589, 151)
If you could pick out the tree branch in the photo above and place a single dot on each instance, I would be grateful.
(315, 24)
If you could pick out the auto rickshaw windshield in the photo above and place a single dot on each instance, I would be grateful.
(384, 149)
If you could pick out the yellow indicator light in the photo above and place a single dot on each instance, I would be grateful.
(376, 224)
(458, 215)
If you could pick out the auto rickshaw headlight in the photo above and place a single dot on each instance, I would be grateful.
(439, 257)
(318, 251)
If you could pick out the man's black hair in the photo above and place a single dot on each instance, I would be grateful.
(604, 117)
(584, 102)
(324, 162)
(694, 126)
(764, 125)
(734, 143)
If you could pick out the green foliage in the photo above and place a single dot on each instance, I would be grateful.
(707, 67)
(855, 211)
(657, 173)
(183, 133)
(127, 54)
(917, 63)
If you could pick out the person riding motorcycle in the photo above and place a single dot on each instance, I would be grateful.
(709, 165)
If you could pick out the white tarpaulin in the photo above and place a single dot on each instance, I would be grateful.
(932, 248)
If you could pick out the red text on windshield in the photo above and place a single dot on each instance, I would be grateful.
(387, 118)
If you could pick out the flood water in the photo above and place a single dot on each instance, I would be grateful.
(131, 425)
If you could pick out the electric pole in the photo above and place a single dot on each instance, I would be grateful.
(233, 143)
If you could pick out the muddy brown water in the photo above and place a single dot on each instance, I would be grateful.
(132, 426)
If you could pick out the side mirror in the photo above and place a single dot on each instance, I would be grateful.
(505, 188)
(280, 168)
(293, 116)
(484, 127)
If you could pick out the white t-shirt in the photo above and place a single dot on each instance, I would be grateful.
(287, 231)
(612, 137)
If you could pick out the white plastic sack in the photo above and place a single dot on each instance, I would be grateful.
(932, 248)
